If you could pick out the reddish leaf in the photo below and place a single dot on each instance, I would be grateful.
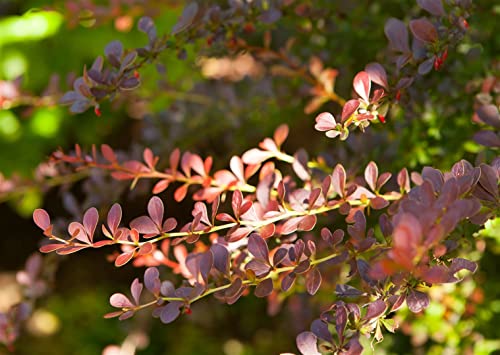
(307, 223)
(377, 74)
(236, 165)
(149, 158)
(77, 230)
(339, 180)
(256, 156)
(41, 218)
(136, 290)
(371, 175)
(239, 234)
(362, 85)
(114, 217)
(124, 258)
(280, 134)
(325, 122)
(161, 186)
(349, 108)
(181, 192)
(144, 225)
(47, 248)
(108, 153)
(424, 30)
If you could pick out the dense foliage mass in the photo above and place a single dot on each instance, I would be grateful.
(389, 212)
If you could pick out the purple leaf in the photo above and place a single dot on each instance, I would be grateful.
(489, 115)
(221, 258)
(313, 281)
(426, 66)
(170, 312)
(417, 301)
(258, 247)
(130, 83)
(152, 280)
(279, 256)
(69, 97)
(396, 32)
(114, 48)
(434, 7)
(188, 15)
(458, 264)
(320, 329)
(424, 30)
(307, 343)
(487, 138)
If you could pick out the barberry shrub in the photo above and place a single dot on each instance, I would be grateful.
(268, 222)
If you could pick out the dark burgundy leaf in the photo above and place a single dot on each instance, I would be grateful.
(260, 268)
(144, 225)
(307, 343)
(378, 203)
(340, 320)
(264, 288)
(234, 291)
(375, 309)
(288, 281)
(279, 256)
(458, 264)
(258, 247)
(313, 281)
(347, 291)
(303, 267)
(239, 234)
(353, 347)
(417, 301)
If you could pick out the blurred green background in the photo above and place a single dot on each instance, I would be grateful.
(43, 43)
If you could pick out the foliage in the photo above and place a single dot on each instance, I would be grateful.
(335, 224)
